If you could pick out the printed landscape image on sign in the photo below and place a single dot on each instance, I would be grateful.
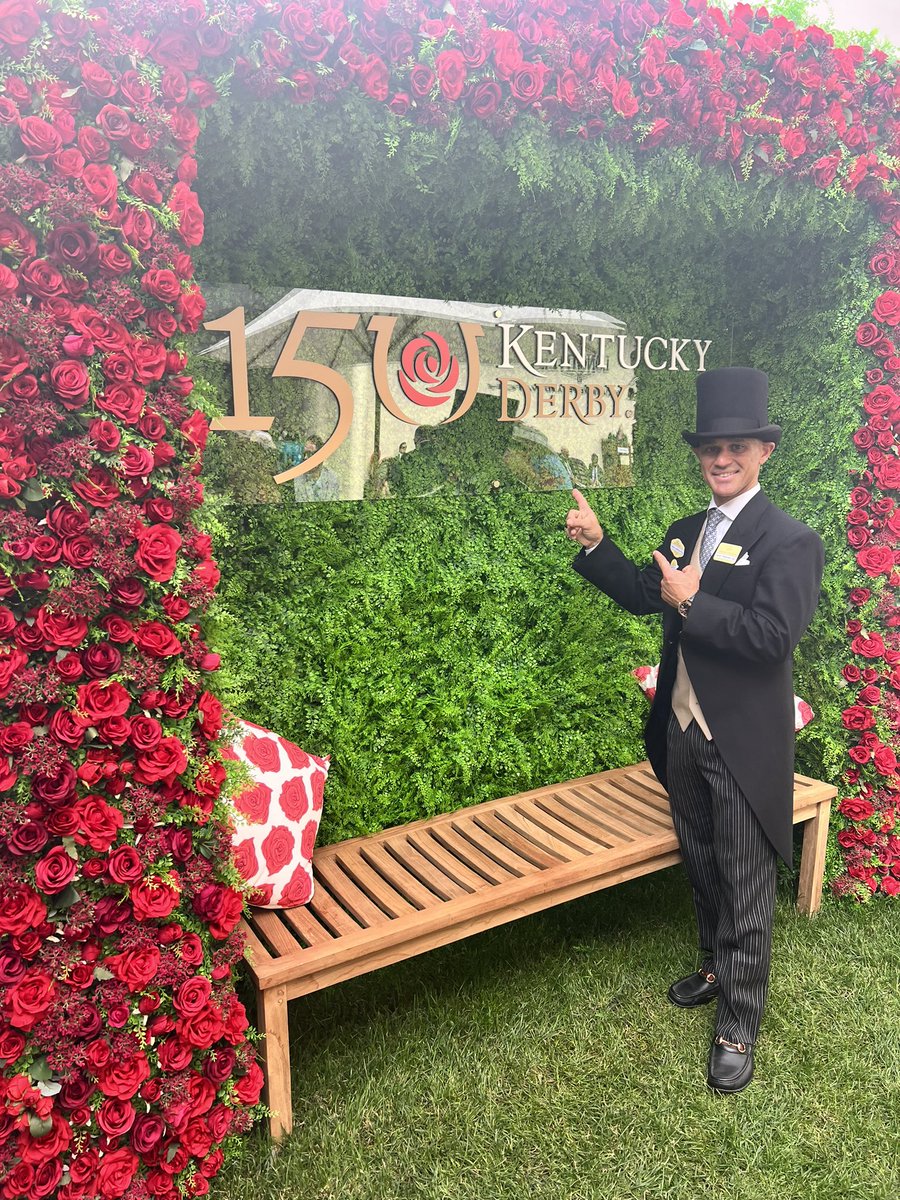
(348, 396)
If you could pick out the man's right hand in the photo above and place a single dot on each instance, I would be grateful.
(582, 525)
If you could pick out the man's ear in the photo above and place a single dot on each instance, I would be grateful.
(768, 447)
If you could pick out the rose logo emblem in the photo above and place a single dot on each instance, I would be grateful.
(429, 371)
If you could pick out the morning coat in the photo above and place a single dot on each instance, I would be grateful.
(737, 640)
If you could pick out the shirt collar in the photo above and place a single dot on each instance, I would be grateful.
(731, 508)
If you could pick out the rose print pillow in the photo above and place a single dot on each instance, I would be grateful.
(646, 677)
(277, 819)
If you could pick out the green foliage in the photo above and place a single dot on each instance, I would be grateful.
(441, 649)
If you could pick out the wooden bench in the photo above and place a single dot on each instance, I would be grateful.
(391, 895)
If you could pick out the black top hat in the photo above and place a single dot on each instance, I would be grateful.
(732, 402)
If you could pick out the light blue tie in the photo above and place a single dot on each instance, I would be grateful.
(713, 517)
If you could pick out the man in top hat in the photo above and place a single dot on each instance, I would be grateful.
(737, 585)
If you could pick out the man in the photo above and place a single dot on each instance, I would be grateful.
(737, 585)
(320, 483)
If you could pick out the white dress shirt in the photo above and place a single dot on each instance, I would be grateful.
(685, 704)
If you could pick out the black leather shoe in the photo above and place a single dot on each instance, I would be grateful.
(730, 1065)
(693, 990)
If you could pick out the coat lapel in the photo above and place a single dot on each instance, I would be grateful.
(747, 528)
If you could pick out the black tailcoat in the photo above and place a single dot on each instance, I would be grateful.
(737, 640)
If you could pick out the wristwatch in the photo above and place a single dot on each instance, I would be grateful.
(685, 605)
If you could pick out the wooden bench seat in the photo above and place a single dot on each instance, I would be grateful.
(391, 895)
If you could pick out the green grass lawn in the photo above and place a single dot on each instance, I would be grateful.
(543, 1060)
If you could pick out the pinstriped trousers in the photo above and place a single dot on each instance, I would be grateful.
(731, 866)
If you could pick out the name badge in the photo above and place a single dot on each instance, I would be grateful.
(677, 547)
(727, 552)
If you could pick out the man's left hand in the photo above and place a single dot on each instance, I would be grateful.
(676, 585)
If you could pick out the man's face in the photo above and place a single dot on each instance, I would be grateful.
(731, 466)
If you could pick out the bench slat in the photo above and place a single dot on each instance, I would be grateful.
(492, 825)
(373, 885)
(617, 832)
(469, 853)
(407, 853)
(518, 817)
(302, 922)
(520, 867)
(330, 914)
(449, 863)
(347, 894)
(641, 816)
(651, 801)
(546, 819)
(397, 877)
(571, 816)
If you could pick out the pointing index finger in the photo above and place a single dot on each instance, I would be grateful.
(579, 499)
(663, 564)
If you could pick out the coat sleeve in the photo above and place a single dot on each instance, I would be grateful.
(635, 589)
(784, 601)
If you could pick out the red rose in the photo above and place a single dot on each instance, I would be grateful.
(192, 996)
(123, 400)
(158, 546)
(166, 760)
(19, 22)
(153, 899)
(867, 334)
(13, 359)
(858, 717)
(623, 99)
(209, 715)
(885, 761)
(888, 473)
(876, 560)
(248, 1088)
(856, 809)
(101, 183)
(135, 968)
(220, 907)
(98, 700)
(122, 1079)
(28, 1001)
(156, 639)
(98, 823)
(190, 308)
(58, 629)
(451, 72)
(11, 662)
(887, 308)
(55, 871)
(21, 909)
(71, 382)
(40, 140)
(97, 488)
(184, 203)
(137, 462)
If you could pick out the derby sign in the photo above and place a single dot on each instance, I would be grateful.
(381, 386)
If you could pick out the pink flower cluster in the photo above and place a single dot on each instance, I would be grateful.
(125, 1061)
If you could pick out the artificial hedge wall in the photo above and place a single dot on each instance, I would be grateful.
(441, 650)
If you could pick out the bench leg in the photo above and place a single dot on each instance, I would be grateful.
(812, 860)
(277, 1058)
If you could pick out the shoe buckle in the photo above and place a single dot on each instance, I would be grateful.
(740, 1047)
(708, 976)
